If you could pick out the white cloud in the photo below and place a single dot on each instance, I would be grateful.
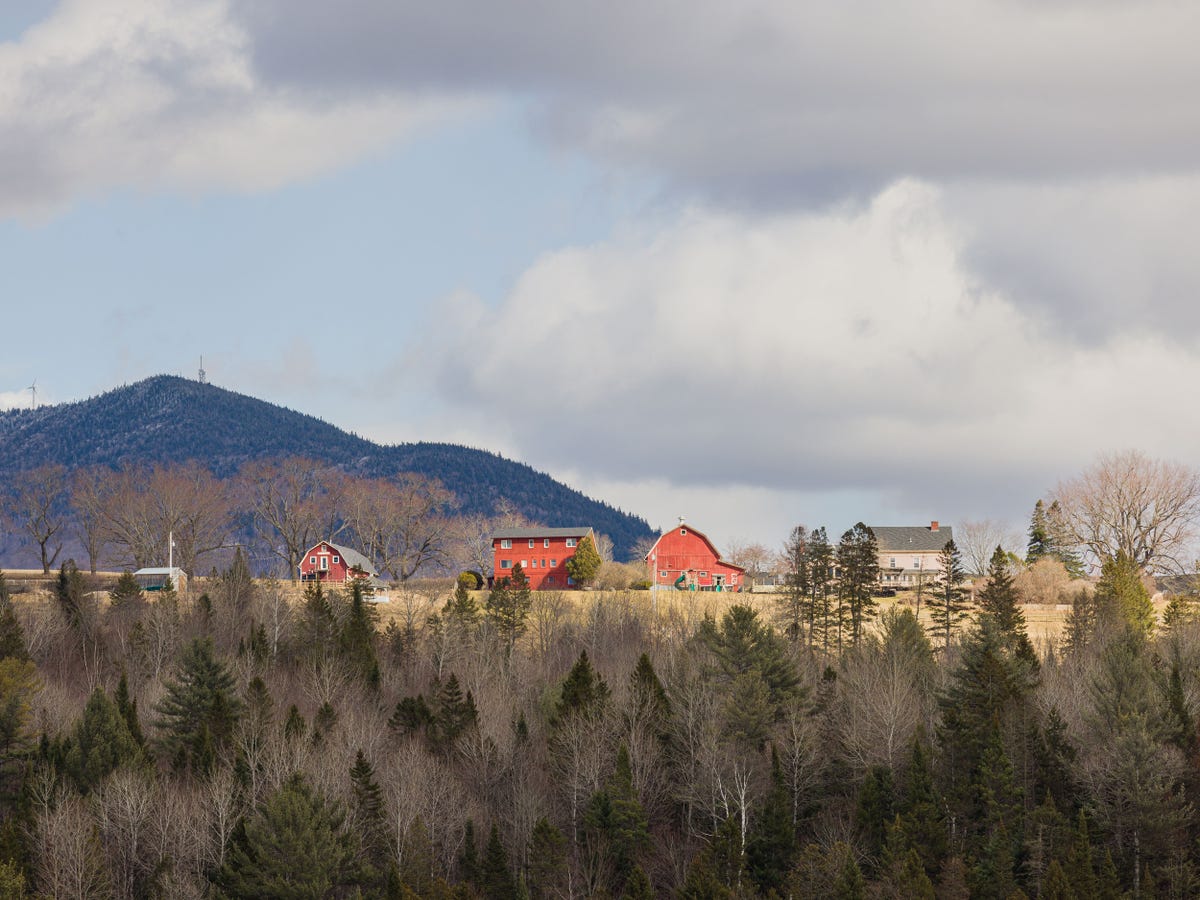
(853, 350)
(161, 94)
(14, 400)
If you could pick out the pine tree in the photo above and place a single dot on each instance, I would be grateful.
(547, 861)
(294, 846)
(638, 886)
(1039, 535)
(901, 871)
(948, 599)
(199, 708)
(508, 605)
(615, 821)
(583, 691)
(356, 641)
(496, 880)
(128, 708)
(858, 564)
(126, 593)
(999, 599)
(771, 842)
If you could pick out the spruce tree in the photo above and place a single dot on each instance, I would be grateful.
(370, 822)
(920, 810)
(496, 880)
(858, 565)
(1121, 598)
(771, 842)
(199, 708)
(102, 743)
(948, 598)
(356, 642)
(583, 691)
(128, 708)
(508, 605)
(294, 846)
(547, 861)
(12, 635)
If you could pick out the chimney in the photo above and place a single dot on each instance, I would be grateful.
(933, 526)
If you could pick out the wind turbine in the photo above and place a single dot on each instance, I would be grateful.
(33, 394)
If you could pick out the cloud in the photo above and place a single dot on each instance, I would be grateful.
(14, 400)
(850, 350)
(161, 94)
(774, 99)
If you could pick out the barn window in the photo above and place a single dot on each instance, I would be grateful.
(703, 574)
(683, 531)
(336, 560)
(506, 544)
(312, 560)
(324, 563)
(549, 579)
(662, 574)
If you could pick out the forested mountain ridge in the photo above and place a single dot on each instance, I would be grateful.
(167, 419)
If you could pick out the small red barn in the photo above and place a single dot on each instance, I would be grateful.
(333, 563)
(685, 559)
(542, 553)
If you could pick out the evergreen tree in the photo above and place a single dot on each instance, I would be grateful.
(453, 715)
(1049, 538)
(1056, 885)
(317, 630)
(128, 708)
(948, 599)
(742, 644)
(370, 824)
(102, 743)
(638, 886)
(795, 608)
(12, 635)
(999, 600)
(468, 860)
(583, 691)
(771, 842)
(876, 808)
(294, 846)
(126, 593)
(648, 701)
(357, 638)
(858, 565)
(547, 861)
(1040, 544)
(199, 710)
(920, 811)
(901, 870)
(585, 564)
(508, 605)
(1121, 598)
(5, 596)
(496, 880)
(615, 826)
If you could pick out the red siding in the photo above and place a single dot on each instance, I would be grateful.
(535, 560)
(311, 565)
(685, 551)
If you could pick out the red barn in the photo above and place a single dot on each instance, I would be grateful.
(542, 553)
(332, 562)
(684, 558)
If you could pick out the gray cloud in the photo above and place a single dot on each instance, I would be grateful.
(778, 96)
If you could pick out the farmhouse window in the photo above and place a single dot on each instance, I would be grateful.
(543, 564)
(892, 563)
(506, 544)
(553, 563)
(703, 574)
(570, 542)
(916, 562)
(506, 563)
(549, 579)
(531, 543)
(546, 543)
(683, 531)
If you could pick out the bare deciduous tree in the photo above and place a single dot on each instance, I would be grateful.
(37, 503)
(979, 539)
(296, 502)
(1132, 503)
(402, 522)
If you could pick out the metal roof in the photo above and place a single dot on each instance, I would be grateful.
(911, 538)
(522, 533)
(352, 557)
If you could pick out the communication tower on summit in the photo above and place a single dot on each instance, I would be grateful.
(203, 377)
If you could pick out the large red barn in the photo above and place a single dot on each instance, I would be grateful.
(686, 559)
(333, 563)
(542, 553)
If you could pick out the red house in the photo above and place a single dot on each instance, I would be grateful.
(333, 563)
(542, 553)
(685, 559)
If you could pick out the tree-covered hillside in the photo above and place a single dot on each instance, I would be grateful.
(167, 419)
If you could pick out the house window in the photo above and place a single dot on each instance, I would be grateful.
(733, 579)
(703, 574)
(892, 563)
(549, 579)
(546, 543)
(554, 563)
(570, 542)
(524, 564)
(506, 543)
(336, 560)
(543, 564)
(916, 562)
(531, 543)
(506, 563)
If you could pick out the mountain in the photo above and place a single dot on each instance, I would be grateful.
(166, 419)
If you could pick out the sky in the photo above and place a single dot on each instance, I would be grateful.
(756, 264)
